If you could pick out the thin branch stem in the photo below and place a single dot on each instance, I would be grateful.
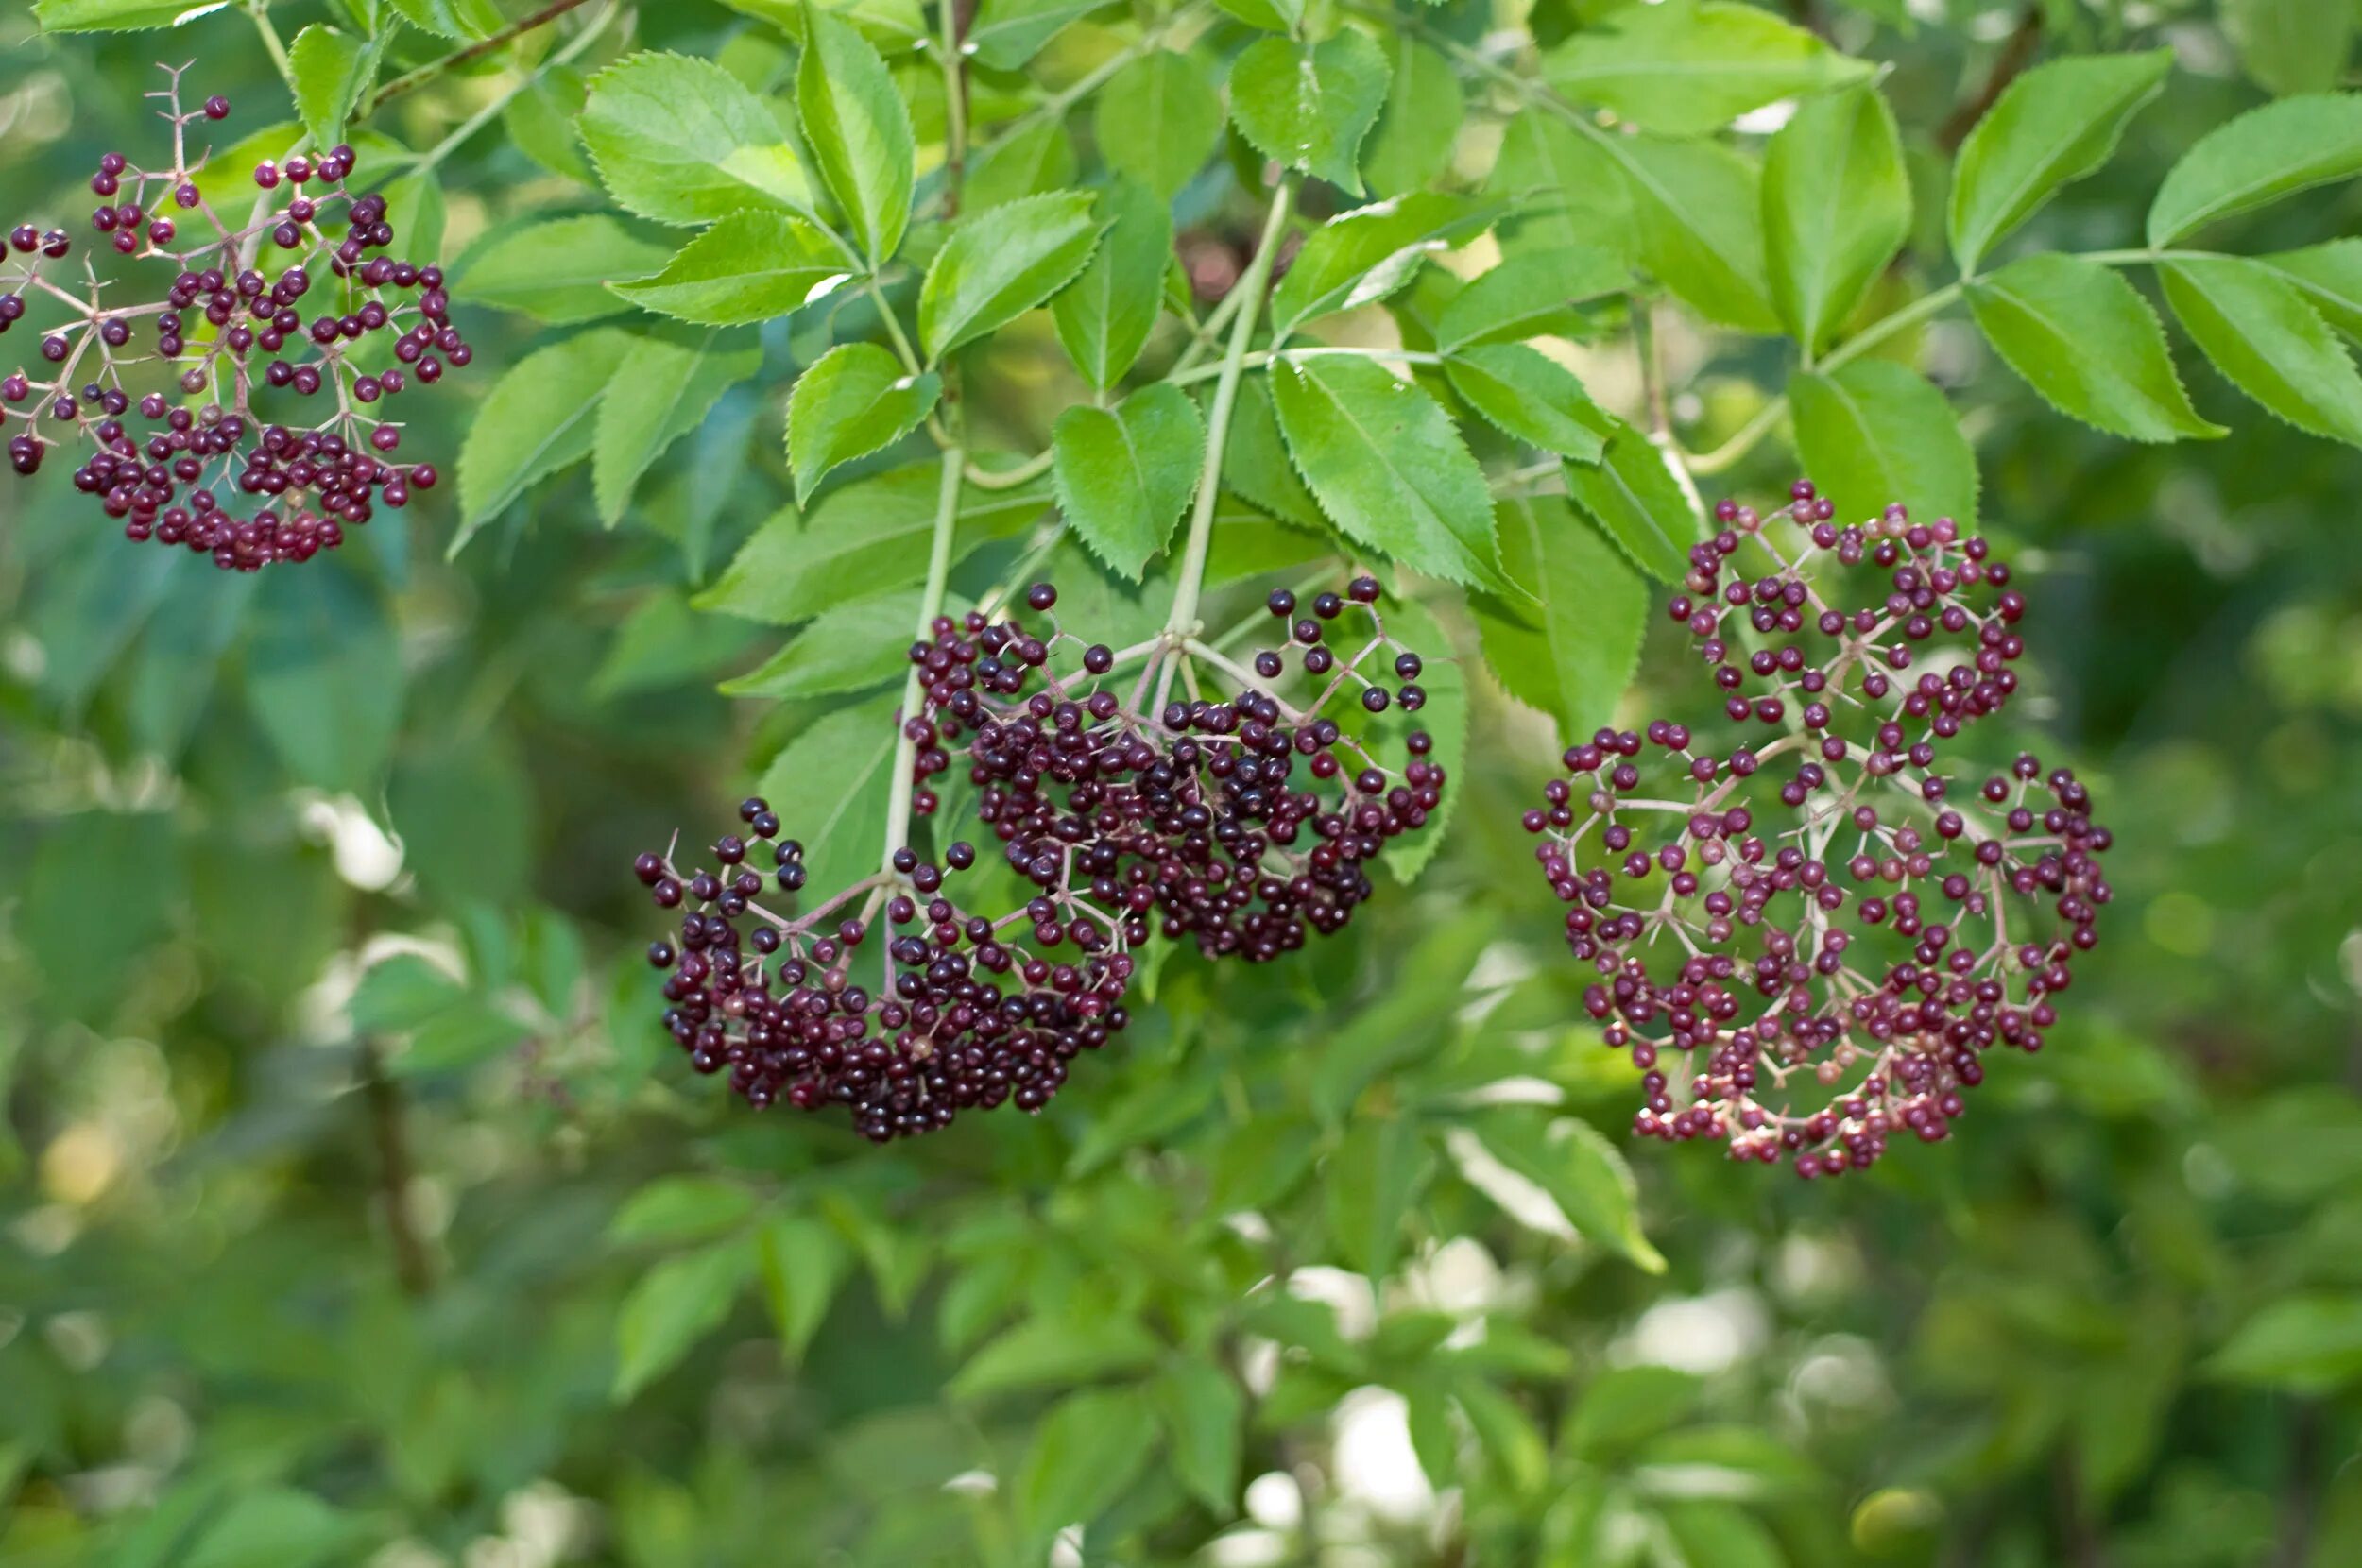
(410, 80)
(1263, 357)
(954, 109)
(930, 606)
(260, 12)
(1183, 621)
(1009, 478)
(413, 1265)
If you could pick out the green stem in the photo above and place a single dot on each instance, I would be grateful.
(1009, 478)
(930, 606)
(1262, 357)
(1767, 420)
(1183, 621)
(260, 12)
(425, 73)
(954, 109)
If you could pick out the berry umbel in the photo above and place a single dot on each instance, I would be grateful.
(1841, 912)
(246, 413)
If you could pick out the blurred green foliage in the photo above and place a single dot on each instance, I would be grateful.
(354, 1209)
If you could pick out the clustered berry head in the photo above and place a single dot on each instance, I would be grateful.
(1866, 940)
(262, 328)
(1241, 821)
(970, 1012)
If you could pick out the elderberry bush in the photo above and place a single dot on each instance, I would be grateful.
(223, 384)
(1834, 902)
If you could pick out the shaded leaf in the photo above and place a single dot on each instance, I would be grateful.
(1686, 67)
(674, 1306)
(660, 392)
(559, 270)
(1157, 120)
(1632, 495)
(1876, 431)
(1123, 476)
(2269, 342)
(2257, 159)
(1105, 316)
(1526, 394)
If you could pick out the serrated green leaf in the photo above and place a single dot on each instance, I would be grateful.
(682, 142)
(1105, 316)
(661, 391)
(1001, 264)
(858, 131)
(464, 20)
(2329, 276)
(847, 648)
(1581, 1170)
(1157, 120)
(1526, 394)
(329, 68)
(559, 270)
(1876, 431)
(1123, 476)
(1049, 1352)
(1371, 1180)
(108, 16)
(1532, 294)
(1035, 158)
(2053, 126)
(832, 781)
(803, 1262)
(1412, 141)
(1387, 466)
(1634, 497)
(749, 267)
(1567, 187)
(1254, 462)
(2086, 341)
(1588, 613)
(679, 1209)
(2309, 1343)
(1309, 105)
(866, 537)
(1088, 1451)
(2257, 159)
(1007, 33)
(1837, 206)
(1688, 67)
(1202, 1411)
(2270, 344)
(1699, 227)
(2291, 45)
(674, 1306)
(1361, 257)
(854, 399)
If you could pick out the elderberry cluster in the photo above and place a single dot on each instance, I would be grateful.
(970, 1013)
(1894, 918)
(1242, 823)
(262, 325)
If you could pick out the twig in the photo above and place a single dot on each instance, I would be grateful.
(425, 73)
(413, 1264)
(2017, 53)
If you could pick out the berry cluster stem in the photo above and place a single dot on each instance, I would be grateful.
(930, 606)
(1183, 621)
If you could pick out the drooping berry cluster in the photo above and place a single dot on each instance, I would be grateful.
(971, 1012)
(235, 453)
(1241, 821)
(1871, 938)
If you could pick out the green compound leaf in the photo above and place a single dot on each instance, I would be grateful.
(853, 647)
(1123, 476)
(1104, 316)
(1526, 394)
(2262, 156)
(674, 1306)
(1689, 67)
(832, 781)
(1571, 652)
(559, 270)
(1309, 105)
(2086, 341)
(2054, 125)
(660, 392)
(2269, 342)
(1698, 212)
(537, 420)
(1876, 431)
(1530, 295)
(1388, 466)
(1415, 133)
(866, 537)
(1001, 264)
(1361, 257)
(749, 268)
(859, 132)
(1837, 206)
(1157, 120)
(854, 399)
(1632, 495)
(329, 69)
(682, 142)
